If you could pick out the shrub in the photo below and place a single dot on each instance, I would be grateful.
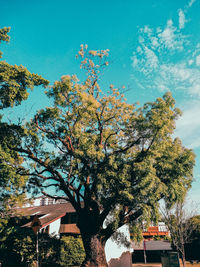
(72, 251)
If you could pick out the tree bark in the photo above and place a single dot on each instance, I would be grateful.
(183, 256)
(94, 250)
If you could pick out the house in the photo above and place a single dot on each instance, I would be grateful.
(59, 218)
(56, 219)
(151, 249)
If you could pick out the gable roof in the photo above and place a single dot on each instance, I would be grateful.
(46, 214)
(153, 245)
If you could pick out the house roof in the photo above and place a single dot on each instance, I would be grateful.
(46, 214)
(152, 245)
(69, 228)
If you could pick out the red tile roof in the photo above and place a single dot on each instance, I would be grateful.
(154, 230)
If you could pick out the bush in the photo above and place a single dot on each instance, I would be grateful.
(72, 252)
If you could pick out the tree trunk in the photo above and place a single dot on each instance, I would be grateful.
(183, 256)
(183, 261)
(94, 249)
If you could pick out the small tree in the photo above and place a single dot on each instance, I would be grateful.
(181, 227)
(102, 154)
(18, 246)
(195, 221)
(192, 249)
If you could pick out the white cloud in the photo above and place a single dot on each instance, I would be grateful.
(177, 71)
(152, 60)
(135, 61)
(198, 60)
(141, 40)
(162, 87)
(181, 14)
(190, 62)
(139, 49)
(191, 2)
(178, 76)
(188, 126)
(195, 89)
(166, 58)
(182, 19)
(154, 41)
(147, 30)
(171, 38)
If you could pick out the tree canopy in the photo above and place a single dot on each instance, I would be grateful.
(15, 81)
(101, 153)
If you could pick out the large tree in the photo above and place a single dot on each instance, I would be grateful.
(104, 155)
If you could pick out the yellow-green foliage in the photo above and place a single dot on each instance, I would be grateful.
(72, 251)
(93, 146)
(4, 36)
(15, 80)
(20, 245)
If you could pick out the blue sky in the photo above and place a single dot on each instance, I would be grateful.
(154, 47)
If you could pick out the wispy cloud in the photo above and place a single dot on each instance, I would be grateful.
(168, 60)
(170, 38)
(188, 126)
(182, 19)
(191, 3)
(198, 60)
(165, 58)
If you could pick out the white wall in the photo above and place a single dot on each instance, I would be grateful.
(162, 227)
(114, 251)
(36, 202)
(54, 228)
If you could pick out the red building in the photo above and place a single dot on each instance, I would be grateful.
(152, 231)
